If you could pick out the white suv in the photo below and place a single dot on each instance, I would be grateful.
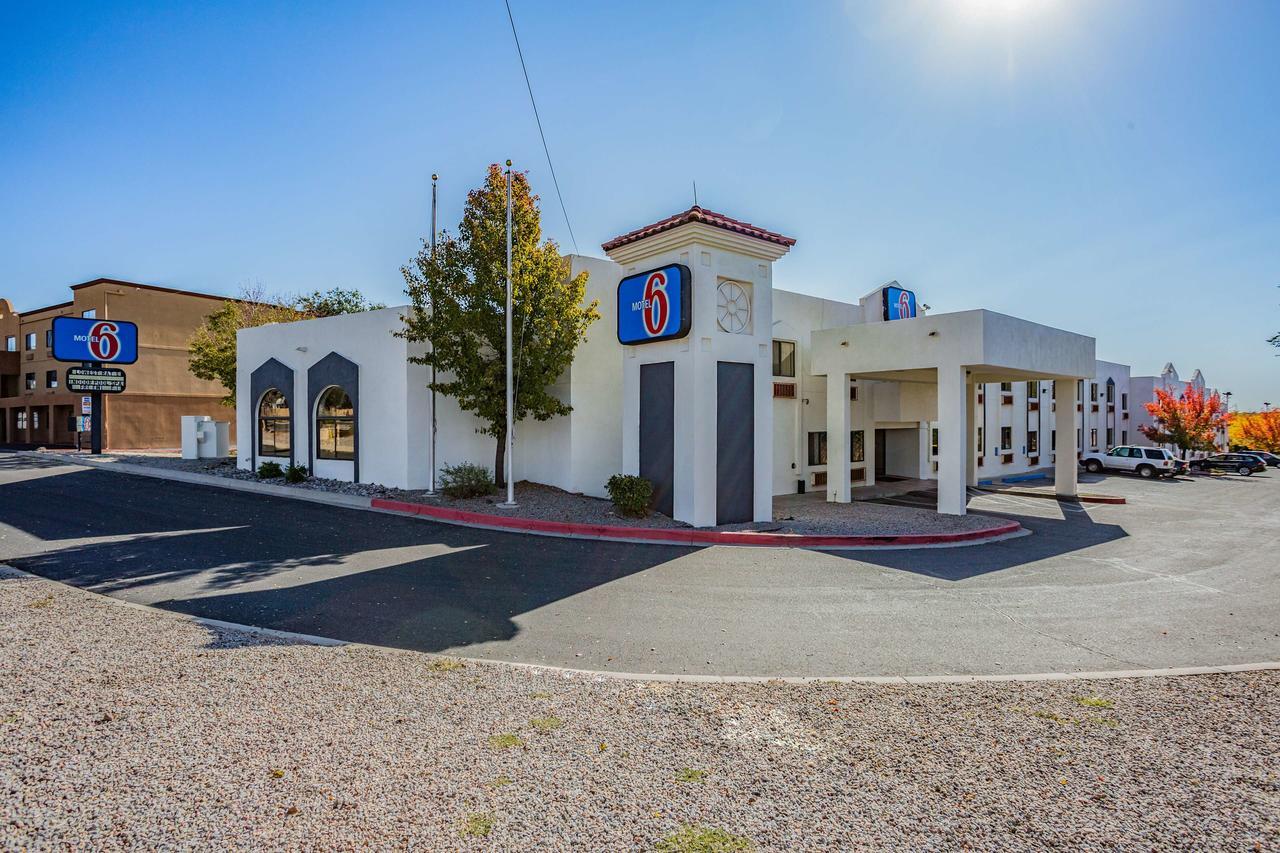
(1143, 461)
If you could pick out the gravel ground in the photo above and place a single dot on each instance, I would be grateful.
(547, 502)
(122, 727)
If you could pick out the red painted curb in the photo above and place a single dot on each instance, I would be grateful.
(687, 536)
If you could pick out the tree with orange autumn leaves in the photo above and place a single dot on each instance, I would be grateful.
(1188, 421)
(1256, 430)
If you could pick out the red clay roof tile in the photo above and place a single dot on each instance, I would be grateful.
(707, 217)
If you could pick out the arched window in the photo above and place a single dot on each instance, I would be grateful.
(273, 424)
(335, 425)
(1111, 390)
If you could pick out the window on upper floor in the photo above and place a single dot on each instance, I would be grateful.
(784, 358)
(1033, 390)
(30, 343)
(11, 343)
(1006, 438)
(51, 379)
(48, 338)
(933, 445)
(1124, 400)
(90, 314)
(1006, 387)
(30, 381)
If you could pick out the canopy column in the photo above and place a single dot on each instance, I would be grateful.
(954, 421)
(1065, 463)
(839, 423)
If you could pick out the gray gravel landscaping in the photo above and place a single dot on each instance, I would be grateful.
(125, 728)
(806, 516)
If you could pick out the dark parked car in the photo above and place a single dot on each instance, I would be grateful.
(1243, 464)
(1271, 459)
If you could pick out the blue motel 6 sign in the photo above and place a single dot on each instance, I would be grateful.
(656, 305)
(899, 304)
(106, 341)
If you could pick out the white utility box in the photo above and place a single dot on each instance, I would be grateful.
(205, 438)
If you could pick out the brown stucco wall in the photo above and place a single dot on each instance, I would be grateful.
(160, 388)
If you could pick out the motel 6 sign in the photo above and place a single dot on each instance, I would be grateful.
(104, 341)
(655, 305)
(899, 303)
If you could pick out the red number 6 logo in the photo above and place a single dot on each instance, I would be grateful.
(655, 293)
(104, 341)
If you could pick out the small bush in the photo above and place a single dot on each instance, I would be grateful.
(295, 473)
(270, 471)
(630, 494)
(465, 480)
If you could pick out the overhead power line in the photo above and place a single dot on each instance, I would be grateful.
(538, 119)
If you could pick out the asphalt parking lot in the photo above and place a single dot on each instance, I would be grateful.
(1183, 575)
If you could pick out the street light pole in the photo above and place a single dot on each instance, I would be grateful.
(431, 480)
(510, 449)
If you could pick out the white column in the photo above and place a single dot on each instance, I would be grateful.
(924, 469)
(1064, 471)
(863, 417)
(953, 491)
(971, 434)
(839, 422)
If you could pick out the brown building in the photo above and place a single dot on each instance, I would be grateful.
(35, 404)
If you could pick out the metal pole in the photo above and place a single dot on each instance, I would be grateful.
(431, 481)
(510, 451)
(96, 417)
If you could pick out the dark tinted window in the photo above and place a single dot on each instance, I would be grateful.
(1154, 454)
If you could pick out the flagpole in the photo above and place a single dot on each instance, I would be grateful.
(431, 481)
(510, 450)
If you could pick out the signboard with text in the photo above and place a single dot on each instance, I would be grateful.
(86, 380)
(899, 304)
(655, 305)
(85, 339)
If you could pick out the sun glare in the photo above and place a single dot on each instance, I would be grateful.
(999, 8)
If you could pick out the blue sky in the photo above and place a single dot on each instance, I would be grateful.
(1110, 168)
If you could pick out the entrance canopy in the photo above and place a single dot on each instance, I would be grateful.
(991, 347)
(956, 351)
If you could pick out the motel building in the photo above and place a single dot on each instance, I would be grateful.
(720, 389)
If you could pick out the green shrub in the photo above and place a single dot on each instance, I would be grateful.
(465, 480)
(295, 473)
(631, 495)
(269, 471)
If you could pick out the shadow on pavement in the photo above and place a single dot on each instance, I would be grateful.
(297, 566)
(370, 577)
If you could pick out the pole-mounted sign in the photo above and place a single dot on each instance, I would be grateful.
(86, 380)
(95, 342)
(101, 341)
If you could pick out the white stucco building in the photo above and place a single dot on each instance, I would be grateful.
(1144, 391)
(702, 377)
